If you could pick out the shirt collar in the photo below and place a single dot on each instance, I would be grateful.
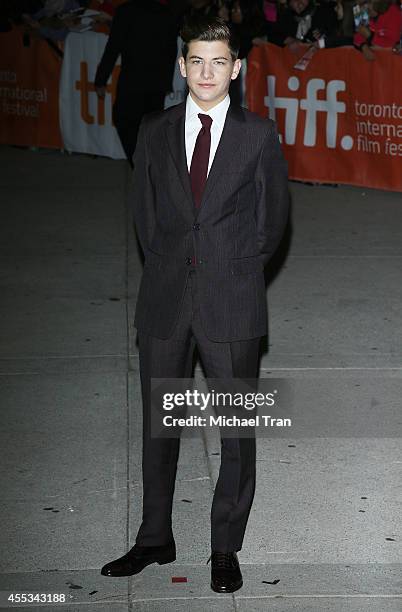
(217, 113)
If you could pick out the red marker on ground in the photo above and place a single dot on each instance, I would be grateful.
(179, 579)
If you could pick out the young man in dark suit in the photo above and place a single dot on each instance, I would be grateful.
(210, 208)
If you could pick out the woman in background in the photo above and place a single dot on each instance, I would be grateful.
(384, 29)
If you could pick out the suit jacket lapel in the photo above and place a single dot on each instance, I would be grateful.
(232, 132)
(175, 133)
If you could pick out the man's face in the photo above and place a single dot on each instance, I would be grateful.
(298, 6)
(208, 69)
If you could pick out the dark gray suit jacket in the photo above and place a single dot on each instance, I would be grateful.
(232, 235)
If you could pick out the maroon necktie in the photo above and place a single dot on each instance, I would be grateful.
(200, 160)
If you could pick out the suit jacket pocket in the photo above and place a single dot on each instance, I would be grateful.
(153, 259)
(246, 265)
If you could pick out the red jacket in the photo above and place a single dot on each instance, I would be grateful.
(386, 29)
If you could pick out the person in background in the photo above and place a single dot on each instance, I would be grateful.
(383, 31)
(102, 22)
(346, 22)
(221, 9)
(52, 20)
(248, 27)
(144, 34)
(304, 21)
(248, 24)
(271, 10)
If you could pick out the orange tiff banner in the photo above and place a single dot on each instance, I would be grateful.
(29, 92)
(339, 119)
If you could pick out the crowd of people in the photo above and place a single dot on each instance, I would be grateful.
(54, 19)
(132, 24)
(366, 24)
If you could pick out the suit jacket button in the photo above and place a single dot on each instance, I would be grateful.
(196, 227)
(189, 261)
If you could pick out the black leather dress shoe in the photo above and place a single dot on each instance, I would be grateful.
(225, 572)
(139, 557)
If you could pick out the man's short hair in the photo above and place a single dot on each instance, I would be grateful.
(208, 29)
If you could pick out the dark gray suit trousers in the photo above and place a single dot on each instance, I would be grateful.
(234, 492)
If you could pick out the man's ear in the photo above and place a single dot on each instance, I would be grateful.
(182, 66)
(236, 69)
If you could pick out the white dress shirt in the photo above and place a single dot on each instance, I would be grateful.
(193, 126)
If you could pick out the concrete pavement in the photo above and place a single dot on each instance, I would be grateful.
(325, 529)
